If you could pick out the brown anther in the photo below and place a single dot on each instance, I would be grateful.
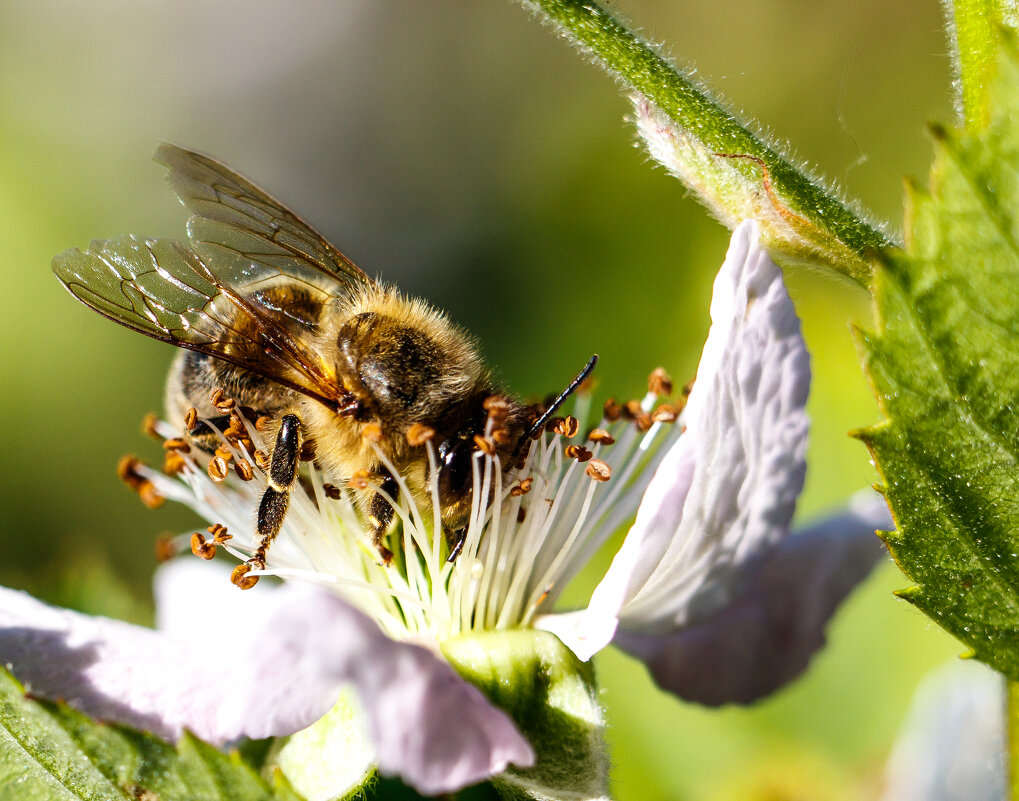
(262, 423)
(191, 418)
(176, 444)
(418, 434)
(522, 488)
(332, 492)
(659, 383)
(601, 436)
(221, 401)
(586, 386)
(150, 495)
(173, 463)
(500, 436)
(553, 423)
(485, 445)
(598, 470)
(261, 459)
(218, 468)
(493, 402)
(240, 578)
(243, 470)
(631, 409)
(666, 413)
(567, 426)
(149, 423)
(612, 410)
(165, 548)
(642, 421)
(578, 452)
(225, 454)
(201, 547)
(521, 514)
(127, 471)
(308, 448)
(219, 533)
(371, 432)
(359, 480)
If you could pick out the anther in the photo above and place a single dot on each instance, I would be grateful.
(191, 418)
(359, 480)
(127, 471)
(261, 459)
(601, 436)
(225, 454)
(243, 470)
(598, 470)
(666, 413)
(659, 383)
(240, 578)
(485, 445)
(219, 533)
(371, 432)
(612, 410)
(567, 426)
(176, 444)
(201, 547)
(332, 492)
(631, 409)
(262, 423)
(165, 548)
(418, 434)
(173, 463)
(308, 448)
(522, 488)
(578, 452)
(150, 495)
(221, 401)
(218, 468)
(521, 514)
(150, 425)
(501, 436)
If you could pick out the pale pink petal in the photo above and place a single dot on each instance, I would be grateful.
(766, 636)
(953, 745)
(271, 676)
(727, 490)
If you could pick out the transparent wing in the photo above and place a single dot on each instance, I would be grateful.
(245, 235)
(165, 290)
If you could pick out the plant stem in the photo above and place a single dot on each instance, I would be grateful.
(974, 32)
(637, 64)
(1012, 740)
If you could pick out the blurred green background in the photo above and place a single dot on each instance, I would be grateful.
(463, 151)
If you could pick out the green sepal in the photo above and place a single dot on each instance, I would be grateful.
(553, 699)
(945, 366)
(50, 752)
(334, 757)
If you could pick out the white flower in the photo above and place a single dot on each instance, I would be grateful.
(708, 587)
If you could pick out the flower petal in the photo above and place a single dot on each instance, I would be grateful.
(270, 678)
(767, 635)
(726, 491)
(952, 746)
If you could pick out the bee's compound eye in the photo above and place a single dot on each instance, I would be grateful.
(455, 475)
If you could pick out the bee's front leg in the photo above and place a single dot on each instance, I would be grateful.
(380, 514)
(282, 474)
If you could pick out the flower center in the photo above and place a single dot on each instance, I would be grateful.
(530, 528)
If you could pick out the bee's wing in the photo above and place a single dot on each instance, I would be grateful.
(244, 234)
(164, 289)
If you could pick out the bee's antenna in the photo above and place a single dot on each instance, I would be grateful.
(576, 382)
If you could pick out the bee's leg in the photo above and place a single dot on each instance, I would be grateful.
(282, 474)
(455, 541)
(380, 514)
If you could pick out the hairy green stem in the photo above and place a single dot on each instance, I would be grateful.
(640, 67)
(974, 34)
(1012, 740)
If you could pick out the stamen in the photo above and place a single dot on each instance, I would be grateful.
(578, 452)
(567, 427)
(201, 547)
(418, 434)
(191, 418)
(598, 470)
(601, 437)
(240, 577)
(659, 383)
(371, 432)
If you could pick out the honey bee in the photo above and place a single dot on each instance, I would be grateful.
(268, 311)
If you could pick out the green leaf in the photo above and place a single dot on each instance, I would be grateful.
(975, 28)
(945, 366)
(552, 697)
(50, 752)
(731, 168)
